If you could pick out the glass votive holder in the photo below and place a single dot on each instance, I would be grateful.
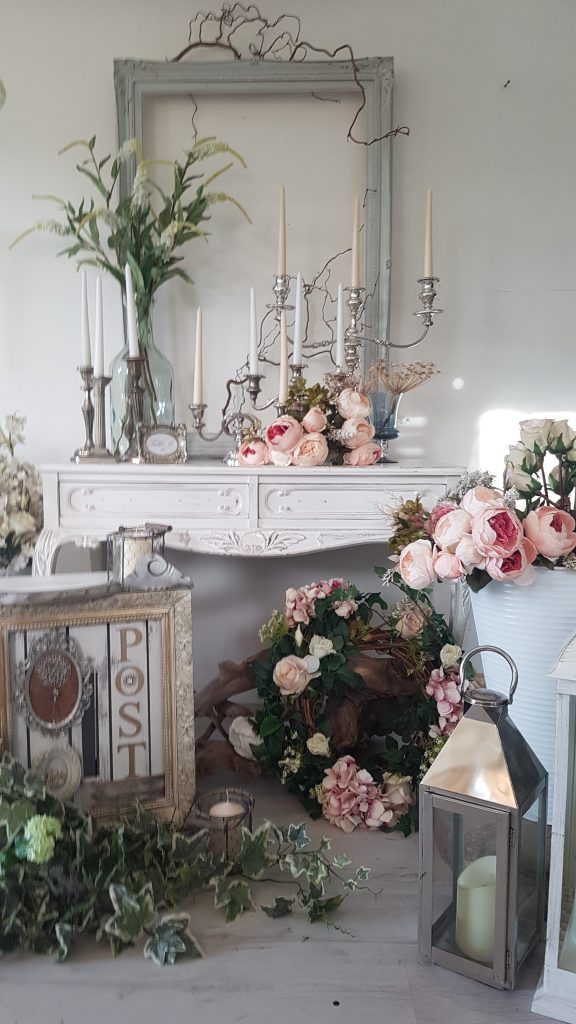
(224, 813)
(129, 544)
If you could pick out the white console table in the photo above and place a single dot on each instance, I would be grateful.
(215, 509)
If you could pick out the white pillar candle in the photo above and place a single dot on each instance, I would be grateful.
(340, 350)
(253, 357)
(282, 233)
(134, 549)
(428, 236)
(226, 809)
(86, 353)
(198, 369)
(355, 279)
(476, 910)
(99, 332)
(297, 347)
(283, 386)
(131, 321)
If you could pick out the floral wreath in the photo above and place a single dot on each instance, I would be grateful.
(326, 697)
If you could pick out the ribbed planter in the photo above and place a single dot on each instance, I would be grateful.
(532, 624)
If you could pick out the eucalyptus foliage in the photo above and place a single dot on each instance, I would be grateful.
(61, 876)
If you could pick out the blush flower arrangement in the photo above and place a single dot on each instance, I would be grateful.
(20, 500)
(324, 424)
(353, 696)
(480, 533)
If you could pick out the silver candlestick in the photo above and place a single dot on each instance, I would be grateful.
(135, 451)
(281, 289)
(87, 451)
(353, 335)
(100, 450)
(232, 423)
(426, 313)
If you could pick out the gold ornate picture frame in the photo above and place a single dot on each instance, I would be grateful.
(165, 445)
(96, 695)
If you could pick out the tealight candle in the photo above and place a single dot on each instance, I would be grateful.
(226, 809)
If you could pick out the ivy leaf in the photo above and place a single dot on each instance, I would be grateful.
(317, 870)
(253, 858)
(318, 910)
(233, 897)
(133, 913)
(279, 908)
(297, 834)
(171, 938)
(34, 786)
(297, 865)
(14, 816)
(340, 860)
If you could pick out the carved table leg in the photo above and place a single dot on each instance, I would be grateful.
(46, 552)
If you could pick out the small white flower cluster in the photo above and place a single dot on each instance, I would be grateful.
(140, 187)
(20, 501)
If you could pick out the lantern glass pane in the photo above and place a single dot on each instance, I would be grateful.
(567, 945)
(531, 848)
(464, 884)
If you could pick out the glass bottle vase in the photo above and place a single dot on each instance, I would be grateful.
(157, 381)
(384, 417)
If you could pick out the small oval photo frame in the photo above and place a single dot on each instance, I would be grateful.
(165, 444)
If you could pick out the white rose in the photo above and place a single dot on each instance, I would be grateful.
(241, 734)
(320, 646)
(318, 745)
(519, 457)
(397, 789)
(450, 655)
(561, 434)
(534, 433)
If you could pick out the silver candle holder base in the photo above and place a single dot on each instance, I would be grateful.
(86, 451)
(135, 453)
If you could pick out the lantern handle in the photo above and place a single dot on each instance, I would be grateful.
(494, 650)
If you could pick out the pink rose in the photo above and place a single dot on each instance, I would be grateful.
(254, 453)
(451, 527)
(416, 566)
(283, 434)
(468, 554)
(516, 567)
(478, 497)
(352, 403)
(551, 531)
(447, 566)
(439, 510)
(496, 531)
(356, 431)
(412, 621)
(291, 675)
(312, 450)
(314, 420)
(280, 458)
(346, 608)
(366, 455)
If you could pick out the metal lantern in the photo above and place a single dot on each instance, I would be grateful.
(556, 993)
(482, 842)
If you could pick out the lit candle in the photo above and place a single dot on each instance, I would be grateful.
(226, 809)
(476, 909)
(297, 349)
(86, 353)
(131, 321)
(99, 332)
(340, 350)
(355, 281)
(282, 233)
(283, 387)
(197, 396)
(428, 236)
(253, 358)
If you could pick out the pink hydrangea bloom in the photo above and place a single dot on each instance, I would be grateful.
(444, 689)
(350, 797)
(301, 603)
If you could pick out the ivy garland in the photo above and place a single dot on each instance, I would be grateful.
(310, 671)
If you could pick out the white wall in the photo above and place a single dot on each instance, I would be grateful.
(500, 160)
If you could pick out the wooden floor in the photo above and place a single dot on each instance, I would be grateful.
(261, 971)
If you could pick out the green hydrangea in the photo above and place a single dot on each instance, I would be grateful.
(40, 835)
(273, 630)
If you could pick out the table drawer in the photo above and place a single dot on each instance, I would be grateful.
(147, 501)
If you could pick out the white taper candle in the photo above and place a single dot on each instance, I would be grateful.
(198, 370)
(253, 356)
(355, 280)
(131, 321)
(283, 385)
(428, 272)
(99, 332)
(282, 233)
(86, 353)
(340, 350)
(297, 347)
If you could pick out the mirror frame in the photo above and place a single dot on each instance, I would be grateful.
(136, 79)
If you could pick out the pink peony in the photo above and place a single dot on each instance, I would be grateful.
(346, 608)
(352, 403)
(314, 420)
(516, 567)
(292, 675)
(283, 434)
(468, 554)
(478, 497)
(496, 531)
(365, 455)
(551, 531)
(450, 529)
(254, 453)
(356, 431)
(439, 510)
(447, 566)
(416, 566)
(312, 450)
(280, 458)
